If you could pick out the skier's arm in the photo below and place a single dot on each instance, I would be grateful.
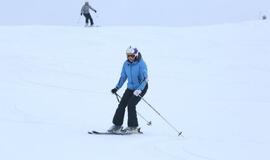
(122, 79)
(92, 9)
(82, 10)
(145, 76)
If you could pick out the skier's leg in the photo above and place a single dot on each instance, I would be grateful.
(120, 111)
(87, 15)
(86, 20)
(91, 20)
(132, 113)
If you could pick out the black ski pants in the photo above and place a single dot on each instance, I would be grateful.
(87, 18)
(130, 101)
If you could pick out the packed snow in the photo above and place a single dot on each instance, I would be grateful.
(211, 82)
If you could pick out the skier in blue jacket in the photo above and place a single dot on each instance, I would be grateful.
(135, 71)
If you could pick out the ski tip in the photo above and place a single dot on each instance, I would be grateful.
(92, 132)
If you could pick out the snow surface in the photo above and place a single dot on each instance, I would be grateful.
(210, 82)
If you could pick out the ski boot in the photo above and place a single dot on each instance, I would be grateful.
(132, 130)
(115, 129)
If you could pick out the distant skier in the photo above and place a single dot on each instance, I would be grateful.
(135, 71)
(86, 12)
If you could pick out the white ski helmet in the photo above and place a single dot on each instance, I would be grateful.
(130, 50)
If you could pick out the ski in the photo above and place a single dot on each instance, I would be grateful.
(92, 26)
(95, 26)
(113, 133)
(105, 133)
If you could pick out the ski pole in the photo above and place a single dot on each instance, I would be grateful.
(149, 123)
(179, 133)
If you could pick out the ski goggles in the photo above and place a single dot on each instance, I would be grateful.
(131, 55)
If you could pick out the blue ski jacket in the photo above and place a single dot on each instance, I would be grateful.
(136, 74)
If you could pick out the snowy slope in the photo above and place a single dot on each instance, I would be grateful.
(210, 82)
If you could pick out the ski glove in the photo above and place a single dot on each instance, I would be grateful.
(81, 14)
(95, 11)
(114, 90)
(137, 92)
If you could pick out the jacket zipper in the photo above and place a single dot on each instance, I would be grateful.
(131, 76)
